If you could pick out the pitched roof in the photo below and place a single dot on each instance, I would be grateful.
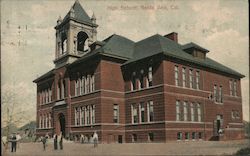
(48, 74)
(80, 14)
(157, 44)
(195, 46)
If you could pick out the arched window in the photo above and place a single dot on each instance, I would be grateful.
(82, 42)
(64, 43)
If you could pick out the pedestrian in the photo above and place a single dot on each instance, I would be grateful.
(44, 140)
(61, 141)
(95, 138)
(13, 143)
(55, 142)
(81, 138)
(18, 138)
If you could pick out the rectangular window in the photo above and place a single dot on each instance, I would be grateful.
(179, 136)
(235, 88)
(185, 108)
(176, 75)
(198, 80)
(150, 108)
(87, 115)
(134, 113)
(82, 115)
(178, 113)
(184, 77)
(116, 113)
(50, 120)
(200, 135)
(216, 93)
(231, 87)
(220, 95)
(191, 78)
(193, 136)
(150, 77)
(187, 136)
(134, 138)
(141, 84)
(82, 88)
(192, 111)
(133, 82)
(93, 114)
(150, 137)
(199, 112)
(77, 115)
(76, 88)
(93, 82)
(142, 111)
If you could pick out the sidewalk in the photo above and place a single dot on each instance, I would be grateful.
(133, 149)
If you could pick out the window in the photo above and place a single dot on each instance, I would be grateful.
(193, 136)
(93, 83)
(197, 80)
(199, 112)
(150, 77)
(134, 113)
(76, 87)
(235, 114)
(150, 137)
(142, 110)
(200, 135)
(216, 93)
(82, 115)
(191, 78)
(115, 113)
(87, 115)
(134, 138)
(176, 75)
(40, 121)
(93, 114)
(186, 135)
(178, 113)
(184, 82)
(133, 82)
(50, 120)
(231, 87)
(81, 81)
(150, 113)
(141, 85)
(88, 84)
(82, 41)
(77, 116)
(220, 99)
(235, 88)
(185, 108)
(192, 111)
(179, 136)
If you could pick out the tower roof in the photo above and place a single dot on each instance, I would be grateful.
(78, 14)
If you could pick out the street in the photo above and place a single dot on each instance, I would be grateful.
(169, 148)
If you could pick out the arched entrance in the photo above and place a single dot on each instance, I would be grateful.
(62, 123)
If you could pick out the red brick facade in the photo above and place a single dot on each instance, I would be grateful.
(146, 113)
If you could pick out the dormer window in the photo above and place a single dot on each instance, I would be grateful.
(195, 50)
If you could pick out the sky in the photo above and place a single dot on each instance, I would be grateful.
(28, 37)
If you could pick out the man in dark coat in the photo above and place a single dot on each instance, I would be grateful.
(44, 139)
(55, 142)
(13, 143)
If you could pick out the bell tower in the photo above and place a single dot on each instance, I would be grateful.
(74, 33)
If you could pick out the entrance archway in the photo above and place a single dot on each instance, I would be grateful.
(62, 123)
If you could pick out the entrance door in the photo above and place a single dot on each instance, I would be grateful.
(62, 123)
(120, 139)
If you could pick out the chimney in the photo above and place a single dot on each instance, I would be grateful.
(172, 36)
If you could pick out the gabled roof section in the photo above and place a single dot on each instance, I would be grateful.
(194, 46)
(46, 75)
(79, 14)
(117, 45)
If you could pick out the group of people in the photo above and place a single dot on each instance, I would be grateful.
(56, 138)
(13, 139)
(84, 139)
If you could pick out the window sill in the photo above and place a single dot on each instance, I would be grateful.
(85, 94)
